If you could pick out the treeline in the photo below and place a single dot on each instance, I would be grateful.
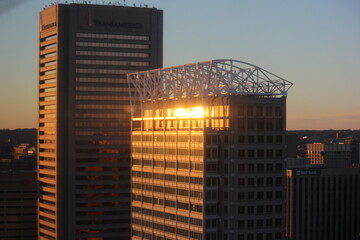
(18, 136)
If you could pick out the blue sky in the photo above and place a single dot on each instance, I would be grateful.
(314, 44)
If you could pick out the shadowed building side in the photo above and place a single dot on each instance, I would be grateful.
(85, 52)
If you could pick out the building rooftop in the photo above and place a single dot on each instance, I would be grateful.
(210, 78)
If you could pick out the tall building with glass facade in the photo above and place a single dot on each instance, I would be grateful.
(85, 52)
(208, 150)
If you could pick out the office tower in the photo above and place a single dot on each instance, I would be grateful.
(208, 152)
(323, 203)
(84, 116)
(18, 199)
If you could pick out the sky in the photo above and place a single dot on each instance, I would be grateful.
(313, 44)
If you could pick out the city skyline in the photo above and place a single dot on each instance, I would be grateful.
(314, 45)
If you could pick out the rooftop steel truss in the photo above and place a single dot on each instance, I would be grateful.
(210, 78)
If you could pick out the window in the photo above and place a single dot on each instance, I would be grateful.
(251, 139)
(241, 196)
(259, 209)
(278, 111)
(241, 153)
(260, 123)
(269, 181)
(251, 181)
(279, 139)
(260, 167)
(112, 36)
(278, 167)
(278, 208)
(251, 167)
(251, 153)
(112, 45)
(250, 111)
(268, 208)
(268, 111)
(260, 153)
(241, 168)
(241, 224)
(278, 194)
(241, 110)
(112, 54)
(251, 123)
(241, 210)
(260, 182)
(269, 167)
(268, 236)
(241, 139)
(250, 210)
(251, 195)
(241, 182)
(241, 123)
(226, 154)
(259, 111)
(250, 224)
(260, 139)
(269, 153)
(278, 222)
(269, 139)
(269, 123)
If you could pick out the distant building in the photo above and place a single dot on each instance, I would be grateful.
(18, 199)
(208, 149)
(315, 152)
(323, 204)
(23, 150)
(334, 155)
(85, 51)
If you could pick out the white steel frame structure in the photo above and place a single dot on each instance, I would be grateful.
(210, 78)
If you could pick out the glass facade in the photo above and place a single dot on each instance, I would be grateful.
(208, 169)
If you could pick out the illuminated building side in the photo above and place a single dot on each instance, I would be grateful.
(208, 152)
(85, 52)
(315, 153)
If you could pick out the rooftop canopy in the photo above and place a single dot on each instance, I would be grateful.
(210, 78)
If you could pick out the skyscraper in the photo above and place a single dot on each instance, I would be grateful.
(85, 52)
(323, 203)
(208, 150)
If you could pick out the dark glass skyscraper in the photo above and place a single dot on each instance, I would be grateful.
(85, 52)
